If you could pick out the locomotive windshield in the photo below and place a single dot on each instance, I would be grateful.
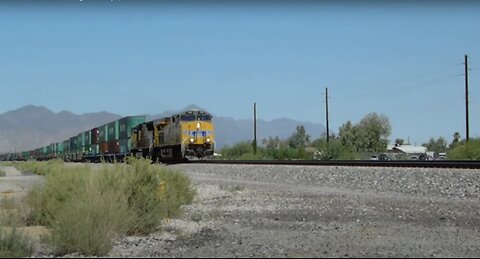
(195, 115)
(205, 117)
(189, 117)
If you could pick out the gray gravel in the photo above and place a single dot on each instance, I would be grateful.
(295, 211)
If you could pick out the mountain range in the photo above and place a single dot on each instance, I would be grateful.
(31, 127)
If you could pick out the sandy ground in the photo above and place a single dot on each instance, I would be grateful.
(15, 185)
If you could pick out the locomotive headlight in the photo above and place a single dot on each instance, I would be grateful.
(208, 140)
(192, 140)
(198, 125)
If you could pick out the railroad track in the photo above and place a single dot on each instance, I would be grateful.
(365, 163)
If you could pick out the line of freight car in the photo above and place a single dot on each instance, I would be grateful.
(187, 135)
(109, 141)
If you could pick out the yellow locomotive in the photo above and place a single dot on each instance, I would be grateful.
(187, 135)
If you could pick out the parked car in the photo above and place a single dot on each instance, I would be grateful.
(425, 157)
(383, 157)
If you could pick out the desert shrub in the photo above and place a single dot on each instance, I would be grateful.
(155, 191)
(91, 216)
(40, 168)
(2, 173)
(14, 244)
(88, 208)
(13, 213)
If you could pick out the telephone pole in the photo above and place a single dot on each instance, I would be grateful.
(254, 128)
(326, 111)
(466, 99)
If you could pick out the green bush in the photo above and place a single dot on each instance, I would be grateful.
(238, 150)
(155, 191)
(14, 244)
(13, 213)
(334, 150)
(40, 168)
(465, 151)
(90, 216)
(86, 208)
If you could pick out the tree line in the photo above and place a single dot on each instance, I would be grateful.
(353, 141)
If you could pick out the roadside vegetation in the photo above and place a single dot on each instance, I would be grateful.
(86, 209)
(2, 173)
(14, 244)
(463, 150)
(354, 141)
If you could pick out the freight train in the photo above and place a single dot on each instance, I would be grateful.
(184, 136)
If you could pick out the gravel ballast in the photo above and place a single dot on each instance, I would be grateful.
(298, 211)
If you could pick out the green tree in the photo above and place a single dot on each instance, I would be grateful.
(299, 139)
(347, 135)
(272, 143)
(373, 133)
(456, 139)
(438, 146)
(399, 141)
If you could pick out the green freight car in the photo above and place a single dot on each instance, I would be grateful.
(66, 150)
(26, 155)
(127, 124)
(80, 146)
(59, 150)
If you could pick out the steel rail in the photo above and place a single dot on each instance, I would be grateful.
(361, 163)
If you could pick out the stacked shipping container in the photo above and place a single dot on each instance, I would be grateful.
(109, 139)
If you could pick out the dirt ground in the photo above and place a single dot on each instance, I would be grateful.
(236, 214)
(262, 211)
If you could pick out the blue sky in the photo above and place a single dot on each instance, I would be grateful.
(400, 59)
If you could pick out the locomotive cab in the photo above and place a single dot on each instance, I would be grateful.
(197, 134)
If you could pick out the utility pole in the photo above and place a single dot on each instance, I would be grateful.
(466, 99)
(326, 111)
(254, 128)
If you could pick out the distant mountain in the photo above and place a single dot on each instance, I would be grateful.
(35, 126)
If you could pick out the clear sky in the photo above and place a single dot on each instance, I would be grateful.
(403, 59)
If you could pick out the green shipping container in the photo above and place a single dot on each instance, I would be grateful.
(80, 143)
(66, 149)
(81, 140)
(102, 133)
(50, 150)
(124, 145)
(112, 128)
(73, 144)
(127, 124)
(43, 152)
(88, 138)
(59, 148)
(94, 149)
(26, 155)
